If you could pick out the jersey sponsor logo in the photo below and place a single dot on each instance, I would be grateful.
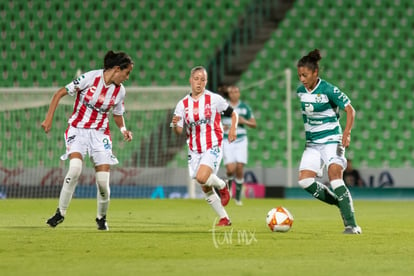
(99, 110)
(315, 122)
(200, 122)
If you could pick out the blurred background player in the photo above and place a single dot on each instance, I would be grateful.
(96, 92)
(200, 112)
(325, 141)
(352, 177)
(235, 154)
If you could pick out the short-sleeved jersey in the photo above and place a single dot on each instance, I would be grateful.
(94, 99)
(243, 110)
(202, 119)
(320, 112)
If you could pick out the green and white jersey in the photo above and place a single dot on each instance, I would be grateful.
(320, 111)
(244, 111)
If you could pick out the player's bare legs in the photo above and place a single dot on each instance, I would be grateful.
(208, 181)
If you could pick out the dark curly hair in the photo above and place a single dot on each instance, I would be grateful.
(311, 60)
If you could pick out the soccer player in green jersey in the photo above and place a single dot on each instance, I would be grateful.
(235, 153)
(325, 140)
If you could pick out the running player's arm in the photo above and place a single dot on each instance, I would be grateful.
(250, 122)
(120, 122)
(47, 123)
(229, 112)
(350, 118)
(174, 125)
(177, 122)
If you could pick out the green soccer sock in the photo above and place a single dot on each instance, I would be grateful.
(239, 186)
(323, 193)
(346, 205)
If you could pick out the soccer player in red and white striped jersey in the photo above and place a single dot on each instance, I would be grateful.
(201, 112)
(96, 92)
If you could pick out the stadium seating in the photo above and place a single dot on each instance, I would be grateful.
(366, 46)
(48, 42)
(367, 51)
(26, 145)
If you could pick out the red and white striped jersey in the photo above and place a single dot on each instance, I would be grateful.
(203, 120)
(93, 101)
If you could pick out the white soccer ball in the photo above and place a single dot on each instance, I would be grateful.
(279, 219)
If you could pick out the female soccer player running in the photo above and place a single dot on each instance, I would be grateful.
(96, 92)
(200, 112)
(325, 141)
(235, 153)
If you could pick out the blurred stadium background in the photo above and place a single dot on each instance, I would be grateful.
(367, 48)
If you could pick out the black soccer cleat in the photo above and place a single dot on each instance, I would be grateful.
(102, 224)
(56, 219)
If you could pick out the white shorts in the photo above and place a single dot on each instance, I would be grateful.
(316, 156)
(235, 152)
(92, 142)
(211, 158)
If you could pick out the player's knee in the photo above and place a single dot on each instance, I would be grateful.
(75, 168)
(305, 183)
(201, 179)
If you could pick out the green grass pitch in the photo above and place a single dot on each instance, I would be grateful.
(178, 237)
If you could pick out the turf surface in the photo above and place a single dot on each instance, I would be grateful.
(178, 237)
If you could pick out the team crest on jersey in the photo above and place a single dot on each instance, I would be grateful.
(101, 98)
(207, 111)
(318, 98)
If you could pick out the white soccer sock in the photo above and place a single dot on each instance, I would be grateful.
(69, 184)
(337, 183)
(216, 182)
(215, 203)
(305, 183)
(239, 181)
(103, 193)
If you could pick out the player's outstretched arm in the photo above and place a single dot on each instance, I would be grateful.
(47, 123)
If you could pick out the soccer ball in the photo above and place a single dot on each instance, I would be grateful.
(279, 219)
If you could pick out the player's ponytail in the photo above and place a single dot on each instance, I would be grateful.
(311, 60)
(120, 59)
